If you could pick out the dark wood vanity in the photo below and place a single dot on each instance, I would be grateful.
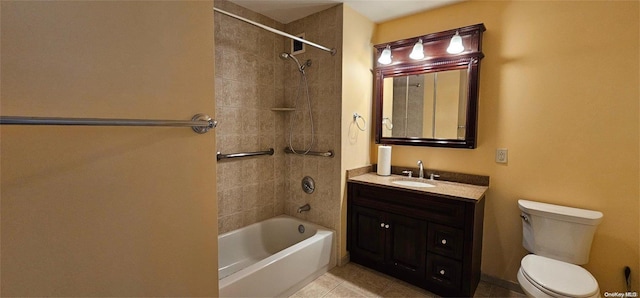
(429, 238)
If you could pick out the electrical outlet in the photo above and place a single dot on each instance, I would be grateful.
(501, 155)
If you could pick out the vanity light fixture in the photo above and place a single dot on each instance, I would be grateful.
(418, 50)
(455, 46)
(385, 56)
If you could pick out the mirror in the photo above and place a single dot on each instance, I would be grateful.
(430, 101)
(430, 105)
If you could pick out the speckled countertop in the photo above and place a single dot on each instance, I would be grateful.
(451, 189)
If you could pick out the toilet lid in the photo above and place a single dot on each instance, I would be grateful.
(558, 277)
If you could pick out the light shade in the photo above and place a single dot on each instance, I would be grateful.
(418, 50)
(455, 46)
(385, 56)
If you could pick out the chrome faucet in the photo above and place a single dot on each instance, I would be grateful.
(420, 169)
(304, 207)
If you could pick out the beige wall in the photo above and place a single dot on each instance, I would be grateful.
(387, 106)
(447, 104)
(559, 89)
(107, 211)
(427, 108)
(357, 92)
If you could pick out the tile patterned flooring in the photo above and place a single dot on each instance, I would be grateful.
(353, 280)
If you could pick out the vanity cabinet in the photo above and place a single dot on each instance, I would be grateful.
(429, 240)
(390, 242)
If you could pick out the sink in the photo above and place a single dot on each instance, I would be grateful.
(412, 183)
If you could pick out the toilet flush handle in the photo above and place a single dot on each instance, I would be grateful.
(524, 217)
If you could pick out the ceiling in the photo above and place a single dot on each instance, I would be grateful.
(286, 11)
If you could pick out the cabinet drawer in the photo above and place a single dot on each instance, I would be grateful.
(444, 240)
(444, 272)
(423, 206)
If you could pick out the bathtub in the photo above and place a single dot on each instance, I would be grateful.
(272, 258)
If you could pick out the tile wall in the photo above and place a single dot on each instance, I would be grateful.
(324, 80)
(250, 80)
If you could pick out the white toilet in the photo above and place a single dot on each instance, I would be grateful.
(559, 239)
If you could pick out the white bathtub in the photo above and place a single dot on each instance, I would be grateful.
(272, 258)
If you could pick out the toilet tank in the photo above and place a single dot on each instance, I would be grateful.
(558, 232)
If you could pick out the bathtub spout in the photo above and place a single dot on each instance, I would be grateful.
(306, 207)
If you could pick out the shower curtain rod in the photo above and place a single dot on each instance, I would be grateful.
(276, 31)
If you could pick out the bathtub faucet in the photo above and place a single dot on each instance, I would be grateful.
(305, 207)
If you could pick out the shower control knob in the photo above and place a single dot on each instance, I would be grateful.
(308, 185)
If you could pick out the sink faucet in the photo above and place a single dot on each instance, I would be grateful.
(305, 207)
(420, 169)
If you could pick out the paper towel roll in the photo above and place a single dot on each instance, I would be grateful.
(384, 160)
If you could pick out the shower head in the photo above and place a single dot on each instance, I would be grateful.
(285, 56)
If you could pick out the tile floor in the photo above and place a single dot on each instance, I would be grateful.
(353, 280)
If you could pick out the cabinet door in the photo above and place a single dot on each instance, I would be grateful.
(406, 246)
(367, 234)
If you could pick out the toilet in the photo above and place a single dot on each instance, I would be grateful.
(559, 239)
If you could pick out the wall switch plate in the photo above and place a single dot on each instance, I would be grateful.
(501, 155)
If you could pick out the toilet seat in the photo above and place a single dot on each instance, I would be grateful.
(559, 279)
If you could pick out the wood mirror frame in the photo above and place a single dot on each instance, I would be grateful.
(436, 59)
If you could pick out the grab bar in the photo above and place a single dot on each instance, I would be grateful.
(316, 153)
(220, 156)
(200, 123)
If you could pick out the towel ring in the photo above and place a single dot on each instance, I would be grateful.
(355, 119)
(387, 123)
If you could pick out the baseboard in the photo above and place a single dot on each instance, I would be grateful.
(510, 285)
(344, 260)
(513, 286)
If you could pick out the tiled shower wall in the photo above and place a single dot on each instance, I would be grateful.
(324, 79)
(250, 80)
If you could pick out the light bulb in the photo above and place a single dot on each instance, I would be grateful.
(418, 51)
(455, 46)
(385, 56)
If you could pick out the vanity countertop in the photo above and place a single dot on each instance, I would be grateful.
(446, 188)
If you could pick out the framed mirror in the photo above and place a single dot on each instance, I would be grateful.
(429, 99)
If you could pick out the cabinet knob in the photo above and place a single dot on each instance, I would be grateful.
(441, 272)
(386, 226)
(444, 241)
(382, 225)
